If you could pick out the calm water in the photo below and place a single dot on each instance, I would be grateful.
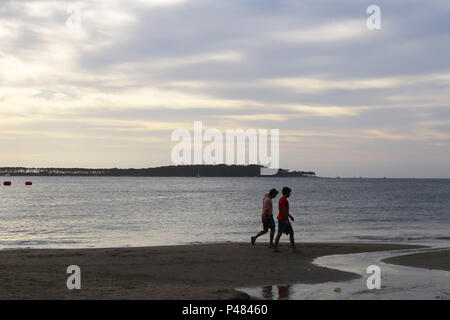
(75, 212)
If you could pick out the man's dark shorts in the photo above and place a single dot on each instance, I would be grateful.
(284, 226)
(268, 222)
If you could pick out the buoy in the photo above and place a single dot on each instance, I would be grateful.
(7, 183)
(28, 183)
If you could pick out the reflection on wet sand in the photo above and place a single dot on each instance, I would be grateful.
(283, 292)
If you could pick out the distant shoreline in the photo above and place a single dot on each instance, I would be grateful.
(211, 171)
(221, 170)
(173, 176)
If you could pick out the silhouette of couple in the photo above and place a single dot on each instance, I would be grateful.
(284, 225)
(283, 292)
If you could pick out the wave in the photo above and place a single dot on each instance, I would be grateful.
(401, 238)
(23, 243)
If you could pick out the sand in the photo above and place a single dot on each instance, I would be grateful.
(438, 260)
(209, 271)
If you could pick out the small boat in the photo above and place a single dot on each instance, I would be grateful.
(28, 183)
(7, 183)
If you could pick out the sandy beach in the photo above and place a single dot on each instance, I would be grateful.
(208, 271)
(437, 260)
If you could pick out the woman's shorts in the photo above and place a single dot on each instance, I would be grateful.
(284, 226)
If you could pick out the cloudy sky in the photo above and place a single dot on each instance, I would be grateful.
(348, 101)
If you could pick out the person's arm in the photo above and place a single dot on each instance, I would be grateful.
(286, 214)
(266, 208)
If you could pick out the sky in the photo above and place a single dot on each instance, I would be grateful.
(104, 83)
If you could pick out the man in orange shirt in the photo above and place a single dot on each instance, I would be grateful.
(284, 225)
(267, 217)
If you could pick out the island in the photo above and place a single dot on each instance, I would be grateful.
(220, 170)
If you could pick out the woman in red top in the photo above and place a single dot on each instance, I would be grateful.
(284, 225)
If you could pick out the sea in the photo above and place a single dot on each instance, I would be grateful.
(104, 212)
(84, 212)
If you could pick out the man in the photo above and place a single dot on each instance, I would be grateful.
(284, 225)
(267, 217)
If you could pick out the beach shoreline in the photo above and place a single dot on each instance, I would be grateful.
(201, 271)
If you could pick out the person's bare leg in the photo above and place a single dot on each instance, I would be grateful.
(258, 235)
(277, 239)
(272, 233)
(261, 233)
(291, 238)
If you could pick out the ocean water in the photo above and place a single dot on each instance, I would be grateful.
(79, 212)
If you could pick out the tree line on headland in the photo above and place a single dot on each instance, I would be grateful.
(220, 170)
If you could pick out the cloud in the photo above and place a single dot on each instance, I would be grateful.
(138, 69)
(152, 3)
(317, 84)
(333, 32)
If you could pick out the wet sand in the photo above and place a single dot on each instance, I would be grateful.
(208, 271)
(438, 260)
